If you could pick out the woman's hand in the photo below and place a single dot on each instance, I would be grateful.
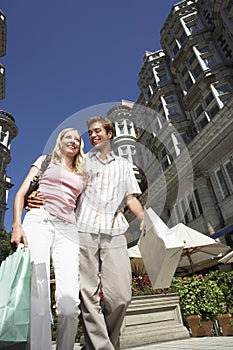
(18, 236)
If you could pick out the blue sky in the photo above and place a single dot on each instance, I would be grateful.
(66, 56)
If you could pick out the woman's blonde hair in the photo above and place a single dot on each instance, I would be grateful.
(79, 159)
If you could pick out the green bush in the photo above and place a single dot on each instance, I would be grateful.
(225, 283)
(199, 295)
(5, 246)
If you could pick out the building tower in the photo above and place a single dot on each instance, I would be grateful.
(125, 138)
(8, 130)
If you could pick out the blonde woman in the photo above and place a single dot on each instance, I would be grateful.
(50, 232)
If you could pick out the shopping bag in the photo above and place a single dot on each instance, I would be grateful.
(160, 250)
(40, 336)
(15, 290)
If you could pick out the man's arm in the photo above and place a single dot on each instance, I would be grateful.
(34, 201)
(136, 209)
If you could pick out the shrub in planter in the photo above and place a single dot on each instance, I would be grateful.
(225, 282)
(199, 296)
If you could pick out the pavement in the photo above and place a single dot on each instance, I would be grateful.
(202, 343)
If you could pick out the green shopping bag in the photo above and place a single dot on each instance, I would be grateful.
(15, 291)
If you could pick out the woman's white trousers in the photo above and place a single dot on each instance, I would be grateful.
(52, 239)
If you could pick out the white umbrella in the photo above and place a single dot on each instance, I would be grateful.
(227, 259)
(198, 247)
(134, 252)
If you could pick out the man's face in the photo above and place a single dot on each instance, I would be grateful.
(98, 135)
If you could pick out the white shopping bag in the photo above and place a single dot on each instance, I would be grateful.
(160, 249)
(40, 309)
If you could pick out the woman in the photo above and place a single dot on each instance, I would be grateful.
(50, 233)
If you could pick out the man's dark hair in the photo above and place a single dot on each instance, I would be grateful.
(107, 124)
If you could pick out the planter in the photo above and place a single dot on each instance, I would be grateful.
(224, 321)
(199, 328)
(152, 319)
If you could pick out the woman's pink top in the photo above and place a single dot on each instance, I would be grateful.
(60, 189)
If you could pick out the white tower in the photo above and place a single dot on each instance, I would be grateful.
(125, 137)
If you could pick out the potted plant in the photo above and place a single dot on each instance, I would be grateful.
(201, 301)
(225, 282)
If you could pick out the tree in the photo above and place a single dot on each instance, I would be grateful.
(5, 246)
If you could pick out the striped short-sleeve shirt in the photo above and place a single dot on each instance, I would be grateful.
(109, 184)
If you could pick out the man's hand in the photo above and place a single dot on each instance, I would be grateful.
(34, 201)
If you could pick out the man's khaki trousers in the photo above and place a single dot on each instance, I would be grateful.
(104, 262)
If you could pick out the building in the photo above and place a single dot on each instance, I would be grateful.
(8, 130)
(2, 53)
(186, 88)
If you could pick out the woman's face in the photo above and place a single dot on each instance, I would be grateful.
(70, 143)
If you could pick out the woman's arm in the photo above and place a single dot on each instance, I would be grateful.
(18, 235)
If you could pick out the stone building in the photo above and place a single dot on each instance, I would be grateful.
(8, 130)
(185, 118)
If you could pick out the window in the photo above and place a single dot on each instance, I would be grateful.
(214, 111)
(210, 104)
(223, 89)
(198, 202)
(182, 37)
(192, 23)
(222, 183)
(172, 111)
(2, 135)
(209, 61)
(184, 137)
(199, 110)
(184, 210)
(191, 210)
(207, 55)
(121, 128)
(188, 83)
(124, 150)
(163, 78)
(160, 106)
(184, 71)
(229, 6)
(193, 27)
(129, 128)
(203, 122)
(209, 98)
(229, 171)
(133, 150)
(164, 159)
(178, 214)
(154, 86)
(224, 92)
(197, 71)
(169, 99)
(171, 107)
(175, 49)
(203, 49)
(192, 59)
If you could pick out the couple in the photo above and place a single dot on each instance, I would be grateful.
(85, 237)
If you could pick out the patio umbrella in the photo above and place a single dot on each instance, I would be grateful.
(227, 259)
(198, 247)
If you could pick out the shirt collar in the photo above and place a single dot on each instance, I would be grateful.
(109, 156)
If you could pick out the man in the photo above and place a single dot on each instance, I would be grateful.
(104, 260)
